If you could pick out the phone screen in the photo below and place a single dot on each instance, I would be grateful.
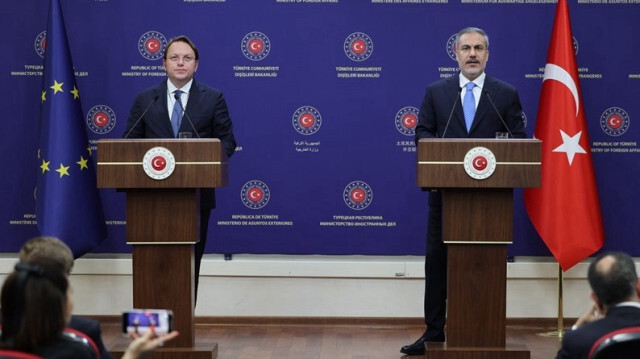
(141, 321)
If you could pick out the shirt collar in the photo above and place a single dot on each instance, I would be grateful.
(479, 81)
(628, 304)
(186, 88)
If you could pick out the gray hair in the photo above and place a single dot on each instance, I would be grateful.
(473, 30)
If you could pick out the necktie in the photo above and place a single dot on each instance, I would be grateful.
(176, 114)
(469, 105)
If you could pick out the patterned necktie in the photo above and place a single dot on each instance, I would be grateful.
(469, 106)
(176, 115)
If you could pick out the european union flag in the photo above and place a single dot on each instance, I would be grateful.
(67, 200)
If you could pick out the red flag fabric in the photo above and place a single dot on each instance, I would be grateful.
(565, 210)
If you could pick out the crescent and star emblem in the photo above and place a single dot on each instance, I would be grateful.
(255, 45)
(101, 119)
(409, 121)
(480, 162)
(306, 120)
(555, 72)
(615, 121)
(358, 46)
(158, 163)
(152, 45)
(357, 195)
(255, 194)
(570, 144)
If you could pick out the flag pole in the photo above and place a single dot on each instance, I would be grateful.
(560, 302)
(560, 332)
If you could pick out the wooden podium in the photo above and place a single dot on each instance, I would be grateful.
(477, 225)
(162, 180)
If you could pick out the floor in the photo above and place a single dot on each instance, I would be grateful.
(333, 341)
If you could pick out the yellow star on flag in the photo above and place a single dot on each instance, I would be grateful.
(82, 163)
(57, 87)
(44, 98)
(75, 92)
(63, 170)
(45, 166)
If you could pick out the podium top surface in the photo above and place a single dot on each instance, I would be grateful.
(478, 163)
(161, 163)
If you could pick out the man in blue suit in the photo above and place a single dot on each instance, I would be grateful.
(470, 104)
(182, 105)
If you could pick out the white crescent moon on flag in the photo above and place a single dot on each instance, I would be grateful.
(555, 72)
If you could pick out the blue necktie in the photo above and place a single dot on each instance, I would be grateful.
(469, 106)
(176, 115)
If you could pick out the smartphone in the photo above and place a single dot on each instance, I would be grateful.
(141, 321)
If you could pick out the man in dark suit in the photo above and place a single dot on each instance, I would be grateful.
(180, 98)
(470, 104)
(616, 293)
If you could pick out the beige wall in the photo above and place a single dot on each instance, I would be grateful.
(320, 286)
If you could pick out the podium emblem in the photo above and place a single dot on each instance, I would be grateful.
(158, 163)
(480, 163)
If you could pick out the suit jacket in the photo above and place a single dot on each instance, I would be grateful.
(91, 328)
(206, 108)
(444, 95)
(576, 344)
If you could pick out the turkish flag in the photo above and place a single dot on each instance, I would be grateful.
(565, 210)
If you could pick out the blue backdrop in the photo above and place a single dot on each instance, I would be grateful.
(322, 95)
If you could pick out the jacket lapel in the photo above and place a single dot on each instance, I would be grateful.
(484, 106)
(161, 109)
(195, 96)
(453, 85)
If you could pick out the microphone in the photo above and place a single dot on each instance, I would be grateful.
(175, 95)
(498, 112)
(451, 113)
(155, 98)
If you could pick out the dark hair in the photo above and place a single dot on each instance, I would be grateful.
(184, 39)
(34, 304)
(614, 283)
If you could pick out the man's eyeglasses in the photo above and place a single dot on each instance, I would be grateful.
(186, 59)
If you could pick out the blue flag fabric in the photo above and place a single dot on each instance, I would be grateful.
(67, 200)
